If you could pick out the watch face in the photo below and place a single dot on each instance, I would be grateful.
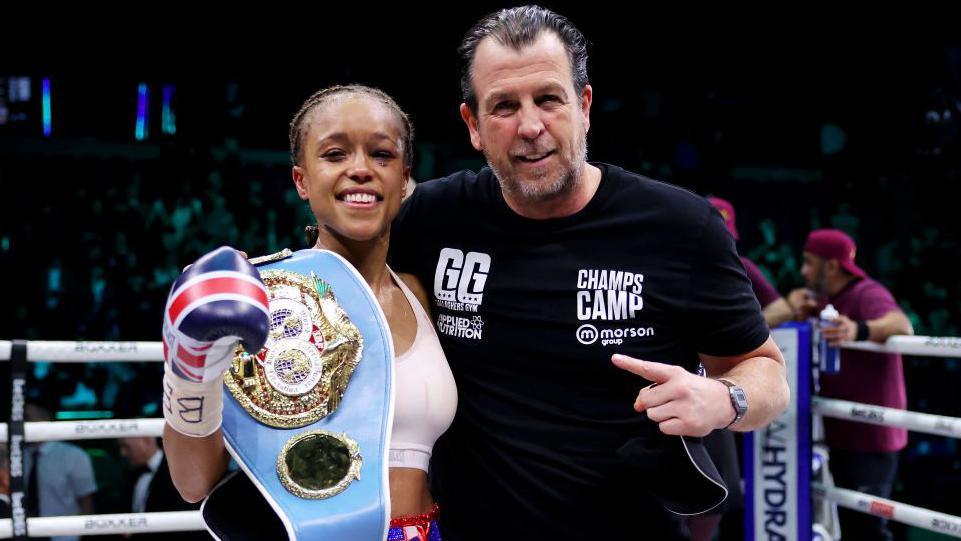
(740, 399)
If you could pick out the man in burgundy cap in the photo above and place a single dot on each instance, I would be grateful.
(864, 457)
(775, 308)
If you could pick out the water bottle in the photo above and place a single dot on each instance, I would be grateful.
(830, 357)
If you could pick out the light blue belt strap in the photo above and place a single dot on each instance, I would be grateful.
(362, 510)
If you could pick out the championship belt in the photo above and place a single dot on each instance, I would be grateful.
(308, 417)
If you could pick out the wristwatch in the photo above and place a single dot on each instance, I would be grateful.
(738, 400)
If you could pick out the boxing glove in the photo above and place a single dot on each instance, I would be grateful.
(216, 302)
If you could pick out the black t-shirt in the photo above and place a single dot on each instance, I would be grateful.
(529, 313)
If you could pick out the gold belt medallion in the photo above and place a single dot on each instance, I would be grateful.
(300, 375)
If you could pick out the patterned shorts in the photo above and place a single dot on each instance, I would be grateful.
(415, 527)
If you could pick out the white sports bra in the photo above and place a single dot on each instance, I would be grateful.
(425, 396)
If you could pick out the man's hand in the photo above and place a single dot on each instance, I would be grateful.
(681, 403)
(803, 302)
(844, 330)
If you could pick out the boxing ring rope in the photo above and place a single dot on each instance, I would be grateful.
(106, 351)
(899, 512)
(85, 352)
(66, 351)
(927, 423)
(927, 346)
(110, 524)
(126, 523)
(88, 430)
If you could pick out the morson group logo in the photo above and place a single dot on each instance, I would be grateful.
(612, 299)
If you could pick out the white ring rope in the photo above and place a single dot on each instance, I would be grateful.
(88, 430)
(104, 351)
(80, 352)
(877, 415)
(171, 521)
(940, 425)
(899, 512)
(932, 346)
(179, 521)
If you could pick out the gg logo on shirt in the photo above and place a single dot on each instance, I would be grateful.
(459, 281)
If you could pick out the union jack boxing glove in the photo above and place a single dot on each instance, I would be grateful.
(217, 302)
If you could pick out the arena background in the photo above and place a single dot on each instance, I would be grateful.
(167, 138)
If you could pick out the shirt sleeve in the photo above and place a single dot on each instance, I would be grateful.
(725, 317)
(877, 301)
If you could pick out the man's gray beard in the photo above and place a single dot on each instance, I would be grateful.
(538, 192)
